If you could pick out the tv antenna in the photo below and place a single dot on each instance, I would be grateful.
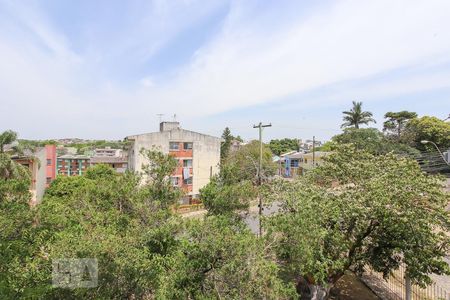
(160, 117)
(174, 117)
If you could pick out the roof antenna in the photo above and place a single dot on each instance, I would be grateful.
(174, 117)
(160, 117)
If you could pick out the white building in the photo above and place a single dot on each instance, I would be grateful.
(198, 155)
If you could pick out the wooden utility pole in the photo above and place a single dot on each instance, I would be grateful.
(260, 126)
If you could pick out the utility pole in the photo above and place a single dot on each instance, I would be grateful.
(260, 126)
(314, 151)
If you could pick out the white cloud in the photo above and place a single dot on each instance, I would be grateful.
(252, 60)
(350, 40)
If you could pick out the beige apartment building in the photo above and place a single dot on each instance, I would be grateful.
(198, 155)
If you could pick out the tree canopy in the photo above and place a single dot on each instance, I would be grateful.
(356, 116)
(396, 121)
(370, 140)
(361, 210)
(430, 129)
(283, 145)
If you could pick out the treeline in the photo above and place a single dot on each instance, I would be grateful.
(403, 132)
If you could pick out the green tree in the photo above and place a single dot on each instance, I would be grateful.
(243, 164)
(125, 224)
(226, 143)
(284, 145)
(9, 138)
(222, 259)
(356, 116)
(396, 122)
(428, 128)
(371, 140)
(343, 217)
(157, 174)
(221, 198)
(16, 218)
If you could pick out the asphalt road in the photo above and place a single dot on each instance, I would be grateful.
(252, 218)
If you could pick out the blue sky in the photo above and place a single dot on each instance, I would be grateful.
(105, 69)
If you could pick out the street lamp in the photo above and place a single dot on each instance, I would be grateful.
(434, 144)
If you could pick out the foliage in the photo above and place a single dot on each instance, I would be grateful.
(6, 138)
(283, 145)
(371, 140)
(243, 164)
(157, 173)
(222, 259)
(360, 210)
(356, 116)
(16, 217)
(326, 147)
(226, 143)
(430, 129)
(222, 198)
(396, 122)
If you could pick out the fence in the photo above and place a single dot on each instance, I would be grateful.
(397, 285)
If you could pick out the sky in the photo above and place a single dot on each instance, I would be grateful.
(105, 69)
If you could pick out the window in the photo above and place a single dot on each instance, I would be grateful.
(174, 181)
(187, 180)
(187, 146)
(294, 163)
(49, 180)
(174, 146)
(187, 163)
(49, 162)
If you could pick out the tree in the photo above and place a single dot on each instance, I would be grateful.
(16, 218)
(396, 122)
(371, 140)
(7, 138)
(157, 173)
(226, 144)
(356, 116)
(222, 259)
(360, 210)
(243, 164)
(221, 198)
(430, 129)
(284, 145)
(123, 222)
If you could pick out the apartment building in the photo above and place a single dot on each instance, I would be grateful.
(198, 155)
(42, 165)
(115, 158)
(108, 152)
(72, 165)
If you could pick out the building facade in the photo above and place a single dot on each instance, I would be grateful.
(294, 164)
(119, 164)
(42, 166)
(72, 165)
(198, 155)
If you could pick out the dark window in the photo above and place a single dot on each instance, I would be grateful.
(49, 162)
(187, 163)
(187, 146)
(187, 180)
(174, 146)
(49, 180)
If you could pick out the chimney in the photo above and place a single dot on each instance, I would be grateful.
(166, 126)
